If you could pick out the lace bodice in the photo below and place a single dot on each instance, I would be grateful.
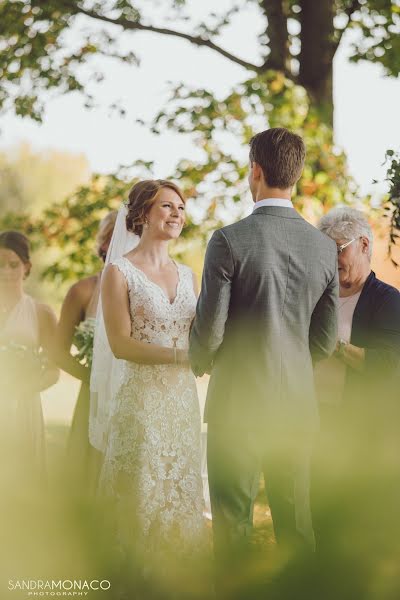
(154, 318)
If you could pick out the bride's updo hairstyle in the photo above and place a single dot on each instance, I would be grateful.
(18, 243)
(142, 197)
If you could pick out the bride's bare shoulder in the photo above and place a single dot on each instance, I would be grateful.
(115, 273)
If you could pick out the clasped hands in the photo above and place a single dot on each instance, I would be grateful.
(351, 355)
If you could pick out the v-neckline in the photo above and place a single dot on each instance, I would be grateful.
(156, 284)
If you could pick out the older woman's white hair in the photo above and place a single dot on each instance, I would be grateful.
(344, 223)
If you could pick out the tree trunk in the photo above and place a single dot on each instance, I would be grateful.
(316, 55)
(278, 58)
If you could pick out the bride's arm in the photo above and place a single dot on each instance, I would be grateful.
(115, 302)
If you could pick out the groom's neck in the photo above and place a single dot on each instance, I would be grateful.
(265, 192)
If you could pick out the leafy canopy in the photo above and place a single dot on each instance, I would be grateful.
(44, 45)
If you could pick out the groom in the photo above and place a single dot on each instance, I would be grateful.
(266, 311)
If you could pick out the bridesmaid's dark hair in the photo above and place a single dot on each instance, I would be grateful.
(18, 243)
(142, 197)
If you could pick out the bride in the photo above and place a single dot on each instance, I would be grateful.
(147, 420)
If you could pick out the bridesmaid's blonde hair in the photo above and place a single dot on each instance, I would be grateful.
(104, 233)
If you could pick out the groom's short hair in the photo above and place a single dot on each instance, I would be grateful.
(280, 154)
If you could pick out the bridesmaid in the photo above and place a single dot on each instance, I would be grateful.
(79, 307)
(27, 328)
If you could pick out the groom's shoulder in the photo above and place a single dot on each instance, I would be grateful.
(306, 229)
(324, 241)
(234, 228)
(311, 231)
(232, 234)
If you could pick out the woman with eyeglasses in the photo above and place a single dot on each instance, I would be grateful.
(368, 347)
(358, 392)
(27, 328)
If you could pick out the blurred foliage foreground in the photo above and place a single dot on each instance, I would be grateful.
(61, 532)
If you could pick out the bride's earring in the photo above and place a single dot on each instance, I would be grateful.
(146, 224)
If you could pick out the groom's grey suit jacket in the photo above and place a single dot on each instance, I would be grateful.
(267, 310)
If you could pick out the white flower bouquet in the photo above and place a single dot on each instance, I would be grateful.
(83, 341)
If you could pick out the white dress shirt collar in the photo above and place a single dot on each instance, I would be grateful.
(282, 202)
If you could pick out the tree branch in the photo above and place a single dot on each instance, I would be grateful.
(278, 35)
(353, 6)
(196, 40)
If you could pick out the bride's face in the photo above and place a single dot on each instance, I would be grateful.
(12, 269)
(167, 215)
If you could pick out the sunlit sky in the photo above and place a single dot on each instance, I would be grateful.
(366, 103)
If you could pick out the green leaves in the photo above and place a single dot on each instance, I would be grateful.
(67, 230)
(37, 55)
(378, 25)
(392, 206)
(38, 58)
(63, 235)
(222, 128)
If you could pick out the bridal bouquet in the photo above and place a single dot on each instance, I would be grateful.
(83, 341)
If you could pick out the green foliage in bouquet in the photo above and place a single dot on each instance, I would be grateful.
(83, 341)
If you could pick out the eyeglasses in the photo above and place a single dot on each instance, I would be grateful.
(343, 246)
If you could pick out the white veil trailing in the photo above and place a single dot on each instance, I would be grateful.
(106, 370)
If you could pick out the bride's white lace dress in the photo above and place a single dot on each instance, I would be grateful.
(152, 465)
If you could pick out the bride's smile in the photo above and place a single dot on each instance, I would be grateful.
(166, 217)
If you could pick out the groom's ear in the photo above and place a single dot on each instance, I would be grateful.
(257, 170)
